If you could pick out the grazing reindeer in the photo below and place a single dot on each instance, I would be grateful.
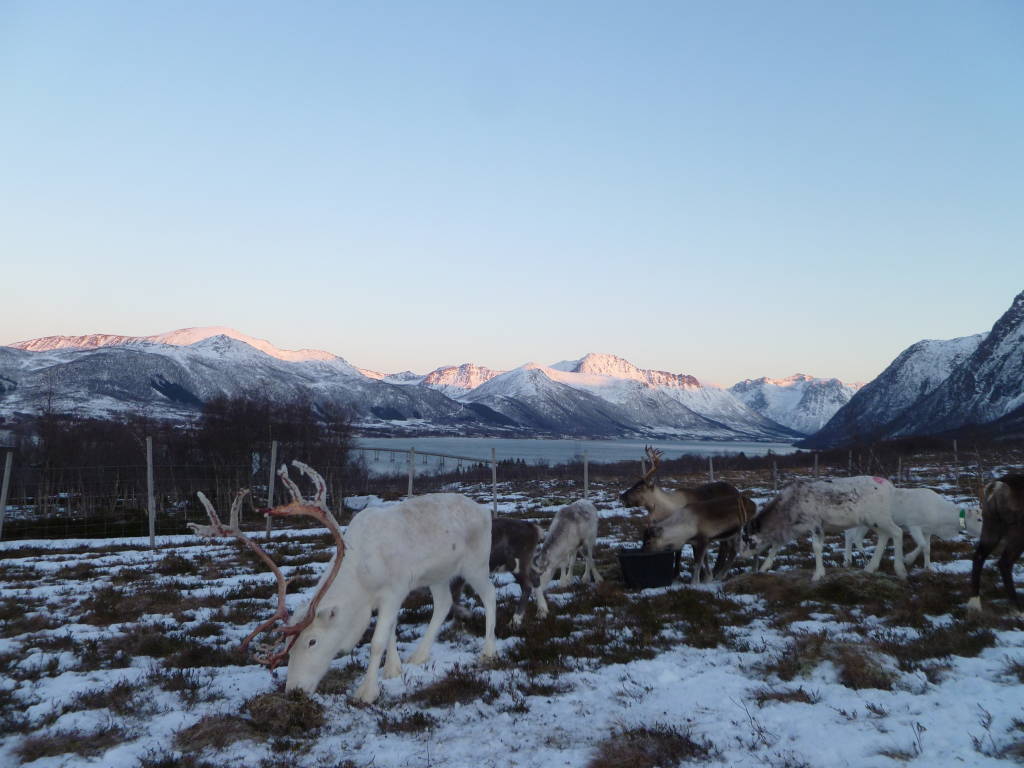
(573, 526)
(698, 516)
(513, 543)
(922, 513)
(1002, 520)
(817, 506)
(425, 541)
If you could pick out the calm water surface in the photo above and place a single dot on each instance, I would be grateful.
(536, 451)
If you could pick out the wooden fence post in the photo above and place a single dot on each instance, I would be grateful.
(711, 469)
(956, 466)
(775, 475)
(151, 497)
(4, 488)
(270, 481)
(494, 482)
(815, 463)
(586, 477)
(412, 470)
(849, 464)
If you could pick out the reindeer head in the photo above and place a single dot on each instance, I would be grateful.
(970, 520)
(653, 538)
(538, 564)
(638, 494)
(291, 634)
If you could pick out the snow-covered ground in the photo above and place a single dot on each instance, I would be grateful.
(117, 652)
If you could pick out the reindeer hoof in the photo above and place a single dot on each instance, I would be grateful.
(974, 605)
(489, 651)
(391, 671)
(368, 693)
(420, 657)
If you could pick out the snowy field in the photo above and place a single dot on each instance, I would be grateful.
(113, 655)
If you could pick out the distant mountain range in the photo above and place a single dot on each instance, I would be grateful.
(172, 374)
(972, 384)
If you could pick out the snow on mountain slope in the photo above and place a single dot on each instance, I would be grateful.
(915, 373)
(182, 337)
(457, 380)
(173, 381)
(660, 397)
(801, 402)
(985, 386)
(528, 396)
(612, 403)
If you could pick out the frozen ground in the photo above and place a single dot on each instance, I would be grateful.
(116, 656)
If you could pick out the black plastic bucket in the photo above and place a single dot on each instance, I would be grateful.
(641, 570)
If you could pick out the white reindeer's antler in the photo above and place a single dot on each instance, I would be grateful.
(320, 496)
(273, 655)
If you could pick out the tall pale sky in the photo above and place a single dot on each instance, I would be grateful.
(725, 189)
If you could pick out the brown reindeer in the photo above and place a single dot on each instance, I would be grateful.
(698, 516)
(1002, 520)
(513, 543)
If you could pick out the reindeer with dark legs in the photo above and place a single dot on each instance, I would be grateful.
(424, 542)
(513, 543)
(698, 516)
(1002, 521)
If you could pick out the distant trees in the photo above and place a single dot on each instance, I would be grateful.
(227, 433)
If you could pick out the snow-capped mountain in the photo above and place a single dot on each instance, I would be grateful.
(528, 396)
(651, 402)
(982, 388)
(183, 337)
(173, 380)
(915, 373)
(662, 398)
(171, 375)
(457, 380)
(801, 402)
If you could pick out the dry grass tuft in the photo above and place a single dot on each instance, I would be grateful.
(459, 686)
(285, 714)
(656, 746)
(74, 741)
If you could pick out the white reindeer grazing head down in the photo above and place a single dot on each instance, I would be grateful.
(425, 541)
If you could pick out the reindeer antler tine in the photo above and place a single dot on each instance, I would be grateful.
(320, 496)
(293, 489)
(654, 454)
(210, 511)
(237, 507)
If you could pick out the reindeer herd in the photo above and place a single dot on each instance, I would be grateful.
(444, 541)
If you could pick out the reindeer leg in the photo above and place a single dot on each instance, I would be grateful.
(591, 568)
(991, 534)
(387, 617)
(1012, 551)
(567, 569)
(876, 557)
(525, 593)
(923, 546)
(817, 544)
(459, 611)
(484, 587)
(392, 664)
(700, 551)
(442, 598)
(769, 559)
(542, 603)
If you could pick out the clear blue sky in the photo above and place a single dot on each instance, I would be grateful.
(729, 189)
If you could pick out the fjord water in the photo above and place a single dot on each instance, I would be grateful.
(538, 451)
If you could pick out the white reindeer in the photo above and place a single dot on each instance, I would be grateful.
(922, 513)
(573, 526)
(387, 552)
(818, 506)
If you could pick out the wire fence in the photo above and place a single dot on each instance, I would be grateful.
(104, 501)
